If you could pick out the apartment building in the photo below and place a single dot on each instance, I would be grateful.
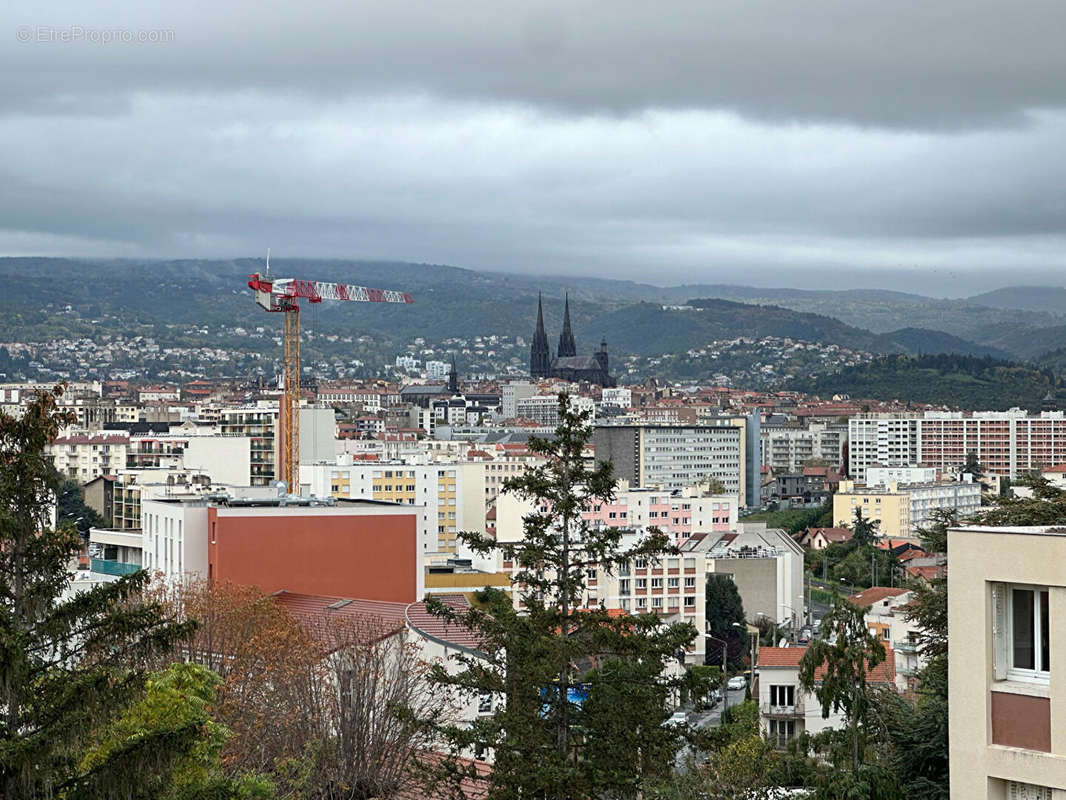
(450, 496)
(226, 459)
(673, 587)
(766, 565)
(901, 509)
(259, 424)
(676, 456)
(84, 456)
(1007, 443)
(788, 449)
(1006, 689)
(543, 409)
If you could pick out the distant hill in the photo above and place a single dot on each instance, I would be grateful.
(923, 340)
(1046, 299)
(161, 298)
(649, 329)
(960, 381)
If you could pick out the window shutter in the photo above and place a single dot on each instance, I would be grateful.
(999, 631)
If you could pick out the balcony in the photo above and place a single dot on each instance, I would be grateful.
(905, 646)
(774, 711)
(113, 567)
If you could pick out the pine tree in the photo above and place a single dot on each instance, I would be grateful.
(69, 662)
(562, 670)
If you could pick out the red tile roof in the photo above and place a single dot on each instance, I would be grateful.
(374, 619)
(420, 620)
(790, 657)
(830, 534)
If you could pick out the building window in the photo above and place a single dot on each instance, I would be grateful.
(690, 583)
(1022, 627)
(484, 703)
(623, 586)
(656, 583)
(642, 583)
(1027, 791)
(782, 695)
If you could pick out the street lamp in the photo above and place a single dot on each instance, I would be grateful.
(725, 687)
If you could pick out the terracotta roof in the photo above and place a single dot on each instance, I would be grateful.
(419, 619)
(376, 618)
(790, 657)
(914, 552)
(875, 594)
(928, 573)
(1057, 469)
(830, 534)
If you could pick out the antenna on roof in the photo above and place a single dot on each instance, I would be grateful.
(268, 263)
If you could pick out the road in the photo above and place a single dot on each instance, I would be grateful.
(712, 717)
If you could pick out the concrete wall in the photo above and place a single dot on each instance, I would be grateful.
(979, 767)
(366, 553)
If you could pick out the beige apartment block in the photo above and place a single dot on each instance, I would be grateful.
(1007, 684)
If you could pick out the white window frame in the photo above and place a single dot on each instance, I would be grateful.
(1003, 634)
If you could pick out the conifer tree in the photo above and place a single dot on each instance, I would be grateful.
(556, 665)
(69, 661)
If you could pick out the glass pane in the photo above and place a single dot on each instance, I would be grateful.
(1022, 627)
(1045, 634)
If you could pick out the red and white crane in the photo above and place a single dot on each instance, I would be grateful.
(283, 295)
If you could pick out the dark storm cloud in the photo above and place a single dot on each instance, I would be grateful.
(674, 141)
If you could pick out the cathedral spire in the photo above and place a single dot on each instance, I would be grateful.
(453, 379)
(539, 353)
(567, 346)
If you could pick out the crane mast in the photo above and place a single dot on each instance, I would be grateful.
(281, 295)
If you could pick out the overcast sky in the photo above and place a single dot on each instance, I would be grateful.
(910, 145)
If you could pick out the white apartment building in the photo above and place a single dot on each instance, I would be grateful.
(883, 476)
(510, 393)
(225, 459)
(451, 495)
(790, 449)
(766, 565)
(544, 409)
(83, 456)
(259, 423)
(673, 457)
(1007, 443)
(619, 396)
(437, 370)
(174, 539)
(1007, 685)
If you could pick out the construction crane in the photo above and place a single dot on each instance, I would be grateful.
(283, 295)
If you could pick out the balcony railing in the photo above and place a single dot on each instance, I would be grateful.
(779, 711)
(113, 567)
(905, 646)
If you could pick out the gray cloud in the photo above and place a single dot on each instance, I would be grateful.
(760, 141)
(949, 64)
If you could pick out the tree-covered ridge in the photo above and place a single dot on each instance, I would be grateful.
(943, 379)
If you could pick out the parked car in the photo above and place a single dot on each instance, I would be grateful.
(737, 682)
(677, 718)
